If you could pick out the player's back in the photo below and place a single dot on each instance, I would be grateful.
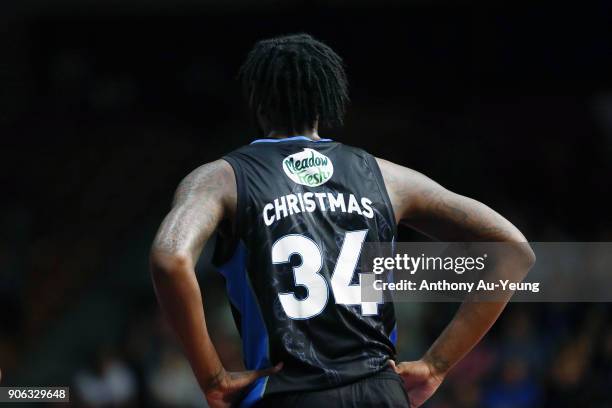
(304, 210)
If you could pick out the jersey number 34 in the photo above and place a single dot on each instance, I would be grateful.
(307, 274)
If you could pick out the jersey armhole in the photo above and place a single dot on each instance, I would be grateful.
(380, 181)
(226, 244)
(240, 196)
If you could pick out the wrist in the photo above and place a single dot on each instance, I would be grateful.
(438, 367)
(214, 382)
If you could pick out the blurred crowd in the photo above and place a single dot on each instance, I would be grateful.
(536, 357)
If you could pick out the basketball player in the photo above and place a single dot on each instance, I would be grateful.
(294, 210)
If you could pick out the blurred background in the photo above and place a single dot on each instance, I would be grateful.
(106, 105)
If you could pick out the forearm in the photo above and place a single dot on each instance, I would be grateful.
(426, 206)
(180, 299)
(470, 324)
(458, 218)
(476, 315)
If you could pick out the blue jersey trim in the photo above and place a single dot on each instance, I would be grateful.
(255, 342)
(255, 393)
(289, 139)
(393, 335)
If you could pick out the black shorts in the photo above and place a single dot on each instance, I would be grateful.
(381, 390)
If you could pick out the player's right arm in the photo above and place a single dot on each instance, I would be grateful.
(426, 206)
(203, 199)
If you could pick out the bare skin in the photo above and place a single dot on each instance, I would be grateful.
(203, 199)
(207, 196)
(424, 205)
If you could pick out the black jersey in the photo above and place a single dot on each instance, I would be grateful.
(305, 209)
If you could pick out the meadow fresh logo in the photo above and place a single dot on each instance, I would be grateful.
(309, 168)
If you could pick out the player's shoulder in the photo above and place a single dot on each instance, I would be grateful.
(215, 178)
(215, 170)
(396, 172)
(214, 181)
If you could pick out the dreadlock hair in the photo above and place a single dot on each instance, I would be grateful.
(295, 81)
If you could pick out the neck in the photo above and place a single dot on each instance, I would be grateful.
(279, 134)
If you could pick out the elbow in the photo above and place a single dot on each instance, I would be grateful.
(514, 256)
(526, 255)
(524, 258)
(530, 256)
(523, 254)
(165, 264)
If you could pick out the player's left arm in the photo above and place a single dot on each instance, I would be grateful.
(426, 206)
(203, 199)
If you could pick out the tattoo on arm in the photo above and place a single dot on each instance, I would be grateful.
(202, 200)
(438, 362)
